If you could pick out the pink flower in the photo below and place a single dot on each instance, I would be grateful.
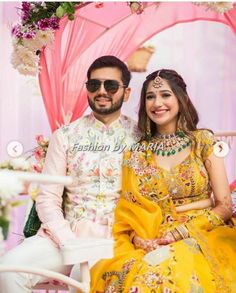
(38, 167)
(38, 154)
(136, 7)
(99, 4)
(16, 31)
(39, 138)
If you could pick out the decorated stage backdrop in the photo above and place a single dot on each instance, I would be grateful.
(203, 51)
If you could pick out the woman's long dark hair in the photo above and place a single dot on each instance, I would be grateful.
(187, 117)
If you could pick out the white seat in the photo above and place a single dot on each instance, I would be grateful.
(79, 251)
(83, 251)
(83, 287)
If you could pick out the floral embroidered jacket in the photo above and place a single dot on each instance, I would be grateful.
(92, 153)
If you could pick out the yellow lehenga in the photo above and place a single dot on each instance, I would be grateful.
(205, 262)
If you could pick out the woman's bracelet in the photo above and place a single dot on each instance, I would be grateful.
(183, 231)
(180, 232)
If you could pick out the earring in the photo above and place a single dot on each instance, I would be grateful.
(148, 128)
(181, 123)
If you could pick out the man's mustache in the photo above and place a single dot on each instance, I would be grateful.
(102, 96)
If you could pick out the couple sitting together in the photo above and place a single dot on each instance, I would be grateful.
(165, 201)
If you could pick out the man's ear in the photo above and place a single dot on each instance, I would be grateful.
(127, 93)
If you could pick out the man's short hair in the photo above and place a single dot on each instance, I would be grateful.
(111, 61)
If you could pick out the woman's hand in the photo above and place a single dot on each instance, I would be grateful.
(152, 244)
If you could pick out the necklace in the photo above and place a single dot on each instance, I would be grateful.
(170, 144)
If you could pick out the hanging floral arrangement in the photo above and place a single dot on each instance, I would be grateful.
(36, 28)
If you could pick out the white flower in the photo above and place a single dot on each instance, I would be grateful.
(28, 70)
(10, 187)
(15, 59)
(45, 37)
(43, 4)
(32, 44)
(20, 164)
(27, 56)
(25, 60)
(221, 7)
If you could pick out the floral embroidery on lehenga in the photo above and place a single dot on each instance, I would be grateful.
(116, 286)
(195, 285)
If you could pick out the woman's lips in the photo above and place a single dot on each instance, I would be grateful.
(159, 112)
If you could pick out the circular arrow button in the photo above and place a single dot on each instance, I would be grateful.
(15, 149)
(221, 149)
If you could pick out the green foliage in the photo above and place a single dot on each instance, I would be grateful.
(52, 8)
(4, 224)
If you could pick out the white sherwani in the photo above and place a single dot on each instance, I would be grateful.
(91, 153)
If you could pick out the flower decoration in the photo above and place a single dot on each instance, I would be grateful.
(35, 30)
(99, 4)
(136, 7)
(19, 164)
(39, 21)
(40, 153)
(219, 7)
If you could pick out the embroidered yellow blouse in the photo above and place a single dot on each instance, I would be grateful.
(185, 182)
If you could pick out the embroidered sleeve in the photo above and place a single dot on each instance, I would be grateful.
(49, 199)
(206, 141)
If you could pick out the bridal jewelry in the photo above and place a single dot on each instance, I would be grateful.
(170, 144)
(158, 82)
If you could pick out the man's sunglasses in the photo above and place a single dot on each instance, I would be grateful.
(111, 86)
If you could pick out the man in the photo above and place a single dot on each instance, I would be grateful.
(89, 149)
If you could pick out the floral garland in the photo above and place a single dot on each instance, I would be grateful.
(39, 21)
(36, 27)
(40, 153)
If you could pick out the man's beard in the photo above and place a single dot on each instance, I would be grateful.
(112, 109)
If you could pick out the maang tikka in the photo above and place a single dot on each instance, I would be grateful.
(158, 81)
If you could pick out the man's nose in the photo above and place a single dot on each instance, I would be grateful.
(102, 89)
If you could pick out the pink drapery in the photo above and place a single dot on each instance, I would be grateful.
(95, 32)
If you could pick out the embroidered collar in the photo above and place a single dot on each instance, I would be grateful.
(101, 126)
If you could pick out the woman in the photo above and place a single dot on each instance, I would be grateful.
(169, 235)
